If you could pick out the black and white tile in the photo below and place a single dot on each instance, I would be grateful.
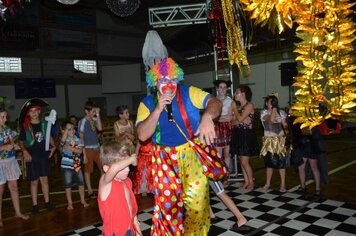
(268, 213)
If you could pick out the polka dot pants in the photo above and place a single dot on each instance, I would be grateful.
(181, 193)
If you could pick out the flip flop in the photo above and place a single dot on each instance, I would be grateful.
(241, 228)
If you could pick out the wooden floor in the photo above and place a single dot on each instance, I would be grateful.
(342, 165)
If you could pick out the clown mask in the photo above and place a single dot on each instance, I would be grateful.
(167, 86)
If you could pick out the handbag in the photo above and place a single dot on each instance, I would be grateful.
(212, 163)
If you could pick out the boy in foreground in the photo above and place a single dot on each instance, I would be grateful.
(116, 200)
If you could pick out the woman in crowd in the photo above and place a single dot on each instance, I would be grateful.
(244, 141)
(273, 143)
(223, 126)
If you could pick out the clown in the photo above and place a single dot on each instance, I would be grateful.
(180, 187)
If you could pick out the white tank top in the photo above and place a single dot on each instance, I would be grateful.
(226, 113)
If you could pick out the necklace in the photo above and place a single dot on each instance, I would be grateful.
(242, 107)
(92, 125)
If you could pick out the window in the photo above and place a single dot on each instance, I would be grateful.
(85, 66)
(10, 64)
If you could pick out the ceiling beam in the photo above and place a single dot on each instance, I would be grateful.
(177, 15)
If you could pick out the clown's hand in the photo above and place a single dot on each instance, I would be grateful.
(163, 100)
(206, 130)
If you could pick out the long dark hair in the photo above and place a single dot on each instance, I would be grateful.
(274, 102)
(246, 90)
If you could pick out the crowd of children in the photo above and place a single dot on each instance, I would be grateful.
(79, 147)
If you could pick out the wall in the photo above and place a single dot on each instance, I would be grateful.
(201, 80)
(78, 95)
(265, 78)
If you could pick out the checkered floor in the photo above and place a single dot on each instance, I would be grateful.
(269, 213)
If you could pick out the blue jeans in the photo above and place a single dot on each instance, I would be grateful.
(68, 176)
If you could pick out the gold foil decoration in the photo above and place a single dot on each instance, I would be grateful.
(276, 14)
(326, 74)
(236, 51)
(326, 77)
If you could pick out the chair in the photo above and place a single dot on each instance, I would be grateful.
(108, 135)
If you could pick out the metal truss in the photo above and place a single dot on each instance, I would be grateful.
(178, 15)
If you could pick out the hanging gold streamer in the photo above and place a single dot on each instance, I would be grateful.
(325, 79)
(236, 51)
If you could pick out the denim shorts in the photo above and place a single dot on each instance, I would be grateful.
(69, 175)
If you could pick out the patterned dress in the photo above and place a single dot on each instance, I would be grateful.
(127, 128)
(273, 142)
(223, 127)
(244, 141)
(9, 167)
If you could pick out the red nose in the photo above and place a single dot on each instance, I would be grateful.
(169, 88)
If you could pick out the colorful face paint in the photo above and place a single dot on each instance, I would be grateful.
(169, 88)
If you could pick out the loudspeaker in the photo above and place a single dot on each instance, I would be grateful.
(288, 71)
